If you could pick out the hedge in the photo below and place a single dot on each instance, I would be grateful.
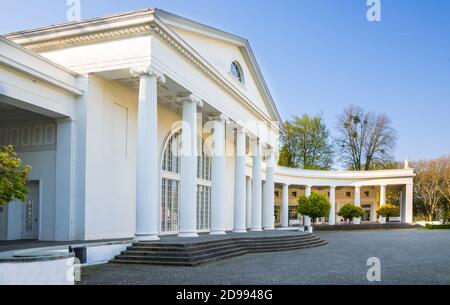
(433, 227)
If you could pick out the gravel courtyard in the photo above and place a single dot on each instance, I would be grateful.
(407, 257)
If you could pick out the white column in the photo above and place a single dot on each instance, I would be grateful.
(308, 190)
(240, 184)
(285, 206)
(269, 203)
(307, 219)
(147, 170)
(357, 203)
(332, 217)
(217, 177)
(256, 187)
(65, 179)
(409, 203)
(187, 209)
(248, 200)
(382, 200)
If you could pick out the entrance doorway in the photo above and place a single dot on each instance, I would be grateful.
(368, 209)
(30, 212)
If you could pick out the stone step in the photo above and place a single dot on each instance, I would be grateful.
(194, 259)
(196, 253)
(177, 252)
(187, 248)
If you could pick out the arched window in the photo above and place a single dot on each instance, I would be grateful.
(236, 71)
(170, 184)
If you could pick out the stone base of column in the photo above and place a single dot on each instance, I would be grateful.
(382, 220)
(146, 237)
(239, 231)
(269, 229)
(217, 233)
(188, 235)
(357, 221)
(256, 229)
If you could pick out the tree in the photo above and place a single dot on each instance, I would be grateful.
(314, 206)
(306, 144)
(432, 187)
(365, 140)
(350, 211)
(388, 211)
(13, 177)
(428, 185)
(286, 158)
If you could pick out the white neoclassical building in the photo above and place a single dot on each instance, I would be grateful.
(147, 123)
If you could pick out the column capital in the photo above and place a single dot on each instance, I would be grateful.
(357, 187)
(220, 117)
(286, 184)
(147, 71)
(241, 129)
(383, 185)
(333, 187)
(191, 99)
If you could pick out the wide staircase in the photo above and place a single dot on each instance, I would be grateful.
(204, 252)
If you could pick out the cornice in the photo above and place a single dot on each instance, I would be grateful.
(87, 38)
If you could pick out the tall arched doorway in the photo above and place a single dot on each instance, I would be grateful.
(171, 180)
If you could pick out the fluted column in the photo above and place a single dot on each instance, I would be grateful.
(332, 217)
(248, 201)
(147, 156)
(382, 200)
(256, 187)
(269, 204)
(285, 206)
(187, 209)
(217, 174)
(357, 203)
(240, 184)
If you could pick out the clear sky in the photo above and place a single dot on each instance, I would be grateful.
(319, 56)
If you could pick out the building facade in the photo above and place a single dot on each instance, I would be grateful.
(146, 123)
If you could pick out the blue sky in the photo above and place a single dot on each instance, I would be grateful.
(319, 56)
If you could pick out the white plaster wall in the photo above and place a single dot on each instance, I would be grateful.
(110, 180)
(52, 272)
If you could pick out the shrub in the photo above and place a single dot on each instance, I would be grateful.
(388, 211)
(350, 211)
(13, 177)
(437, 227)
(314, 206)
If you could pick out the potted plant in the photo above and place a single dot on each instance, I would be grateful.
(313, 206)
(350, 211)
(388, 211)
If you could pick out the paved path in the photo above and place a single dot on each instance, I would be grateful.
(407, 257)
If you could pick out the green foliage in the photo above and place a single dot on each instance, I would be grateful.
(314, 206)
(13, 178)
(437, 227)
(286, 158)
(306, 144)
(350, 211)
(388, 211)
